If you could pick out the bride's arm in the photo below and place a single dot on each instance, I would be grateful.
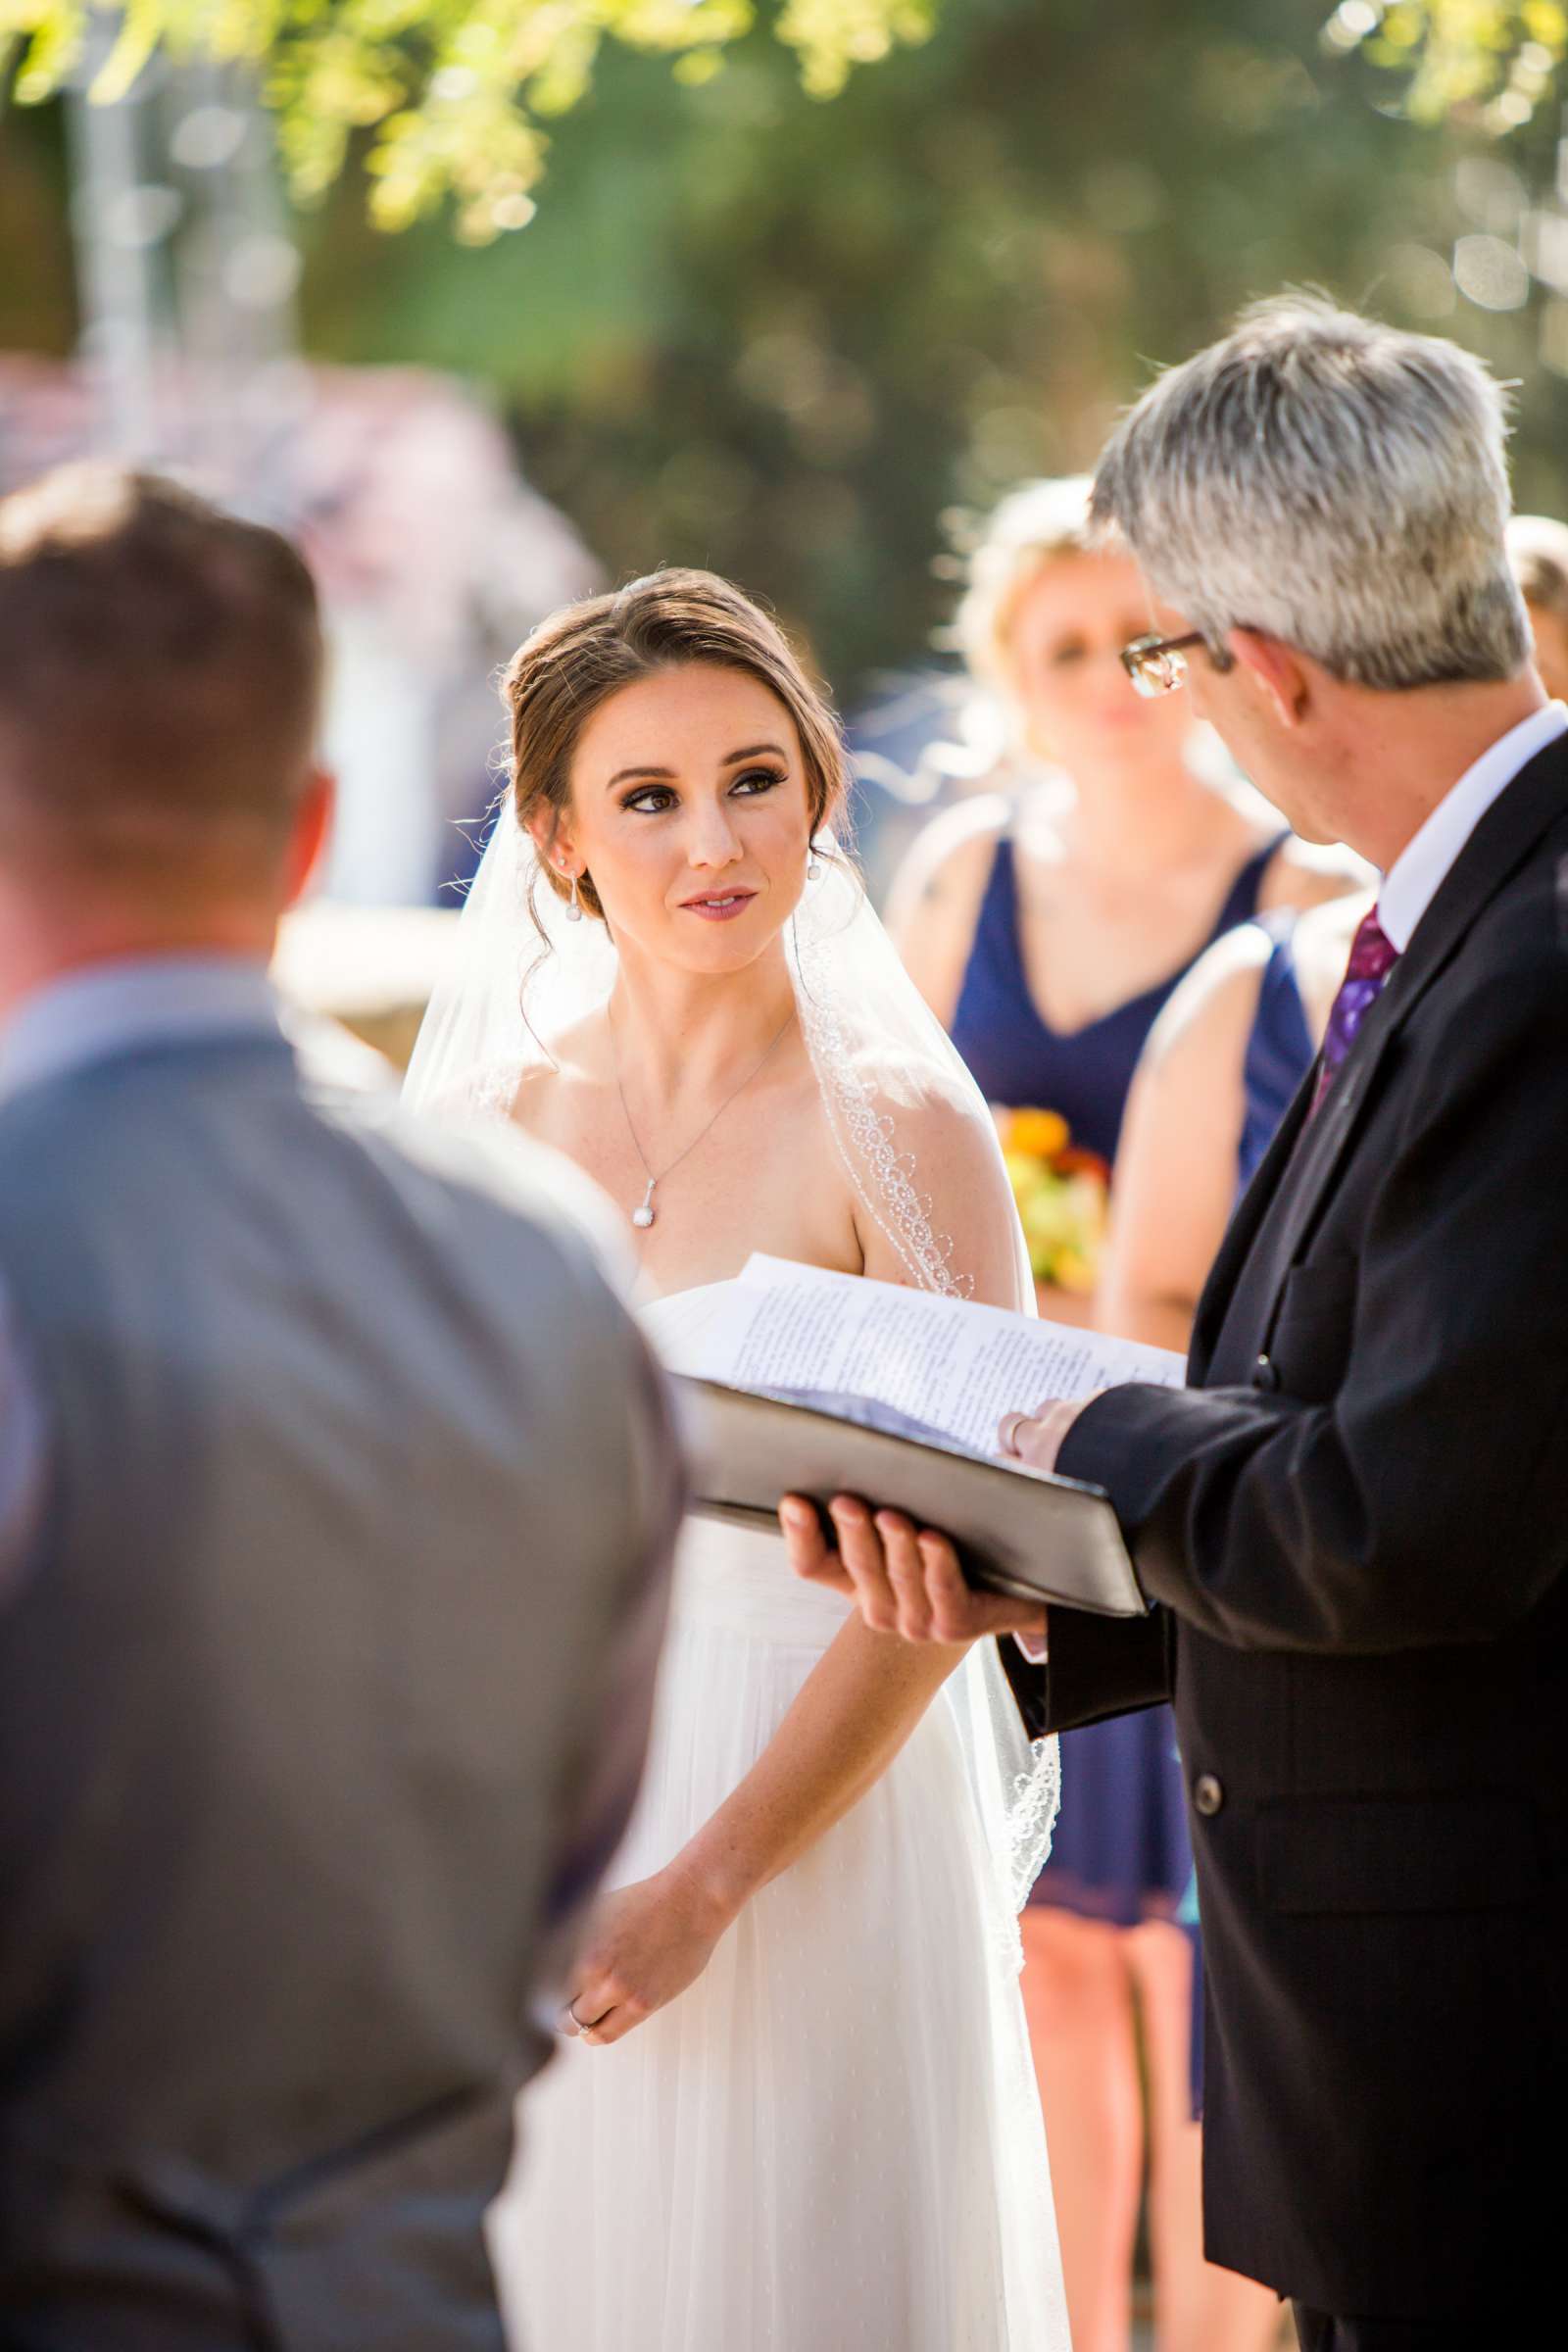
(852, 1714)
(864, 1696)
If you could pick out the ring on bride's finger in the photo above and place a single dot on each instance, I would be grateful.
(1011, 1423)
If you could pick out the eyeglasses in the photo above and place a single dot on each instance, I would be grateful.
(1158, 664)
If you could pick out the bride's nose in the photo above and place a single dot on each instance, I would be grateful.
(711, 839)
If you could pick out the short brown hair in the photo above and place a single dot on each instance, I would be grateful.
(580, 656)
(159, 671)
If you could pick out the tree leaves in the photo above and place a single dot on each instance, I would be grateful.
(449, 95)
(1494, 60)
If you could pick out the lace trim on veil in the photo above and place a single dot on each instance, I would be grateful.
(890, 1195)
(1016, 1782)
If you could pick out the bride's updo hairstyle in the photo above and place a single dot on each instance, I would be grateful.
(674, 619)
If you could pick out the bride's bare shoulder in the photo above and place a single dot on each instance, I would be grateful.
(927, 1127)
(926, 1103)
(537, 1090)
(557, 1077)
(935, 1184)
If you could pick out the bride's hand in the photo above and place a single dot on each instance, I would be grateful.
(646, 1943)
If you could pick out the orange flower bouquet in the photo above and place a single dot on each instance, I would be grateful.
(1064, 1197)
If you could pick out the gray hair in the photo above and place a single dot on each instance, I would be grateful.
(1335, 483)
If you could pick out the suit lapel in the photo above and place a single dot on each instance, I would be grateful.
(1300, 1168)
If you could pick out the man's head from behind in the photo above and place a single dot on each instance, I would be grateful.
(1325, 500)
(160, 682)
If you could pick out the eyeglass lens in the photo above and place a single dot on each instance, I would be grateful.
(1159, 672)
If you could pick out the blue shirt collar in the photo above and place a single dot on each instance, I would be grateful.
(106, 1009)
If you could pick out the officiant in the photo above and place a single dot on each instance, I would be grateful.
(1354, 1519)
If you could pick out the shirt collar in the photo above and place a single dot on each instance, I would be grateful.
(1416, 875)
(106, 1009)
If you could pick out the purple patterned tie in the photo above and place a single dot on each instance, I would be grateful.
(1373, 957)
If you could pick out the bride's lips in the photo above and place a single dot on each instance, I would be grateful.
(719, 906)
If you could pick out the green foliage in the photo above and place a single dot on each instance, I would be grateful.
(786, 340)
(451, 95)
(792, 340)
(1492, 59)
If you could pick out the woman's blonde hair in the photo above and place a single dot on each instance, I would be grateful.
(1538, 549)
(1033, 526)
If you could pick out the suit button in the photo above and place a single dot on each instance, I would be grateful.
(1265, 1373)
(1208, 1795)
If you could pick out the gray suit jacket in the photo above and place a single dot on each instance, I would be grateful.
(359, 1502)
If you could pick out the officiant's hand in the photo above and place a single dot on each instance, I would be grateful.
(646, 1943)
(1037, 1438)
(906, 1579)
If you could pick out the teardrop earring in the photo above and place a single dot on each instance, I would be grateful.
(575, 910)
(814, 868)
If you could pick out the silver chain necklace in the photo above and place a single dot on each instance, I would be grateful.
(645, 1215)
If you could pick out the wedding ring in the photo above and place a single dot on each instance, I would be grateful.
(1011, 1423)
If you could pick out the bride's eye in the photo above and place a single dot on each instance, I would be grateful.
(650, 800)
(757, 780)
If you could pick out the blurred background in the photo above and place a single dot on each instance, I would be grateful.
(494, 302)
(682, 309)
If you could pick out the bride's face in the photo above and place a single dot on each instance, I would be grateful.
(690, 808)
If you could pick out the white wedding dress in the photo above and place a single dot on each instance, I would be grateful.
(832, 2142)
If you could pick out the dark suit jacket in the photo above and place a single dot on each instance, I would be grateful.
(1355, 1518)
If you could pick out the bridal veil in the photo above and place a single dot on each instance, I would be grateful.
(909, 1125)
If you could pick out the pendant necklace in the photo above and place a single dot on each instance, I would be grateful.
(644, 1216)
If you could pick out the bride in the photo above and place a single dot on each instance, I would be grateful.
(794, 2110)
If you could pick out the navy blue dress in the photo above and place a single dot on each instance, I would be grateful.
(1279, 1051)
(1121, 1851)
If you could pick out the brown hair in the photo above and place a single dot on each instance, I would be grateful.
(159, 672)
(574, 662)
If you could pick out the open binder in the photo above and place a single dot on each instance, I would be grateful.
(1017, 1531)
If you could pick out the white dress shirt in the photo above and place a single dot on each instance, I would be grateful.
(1422, 867)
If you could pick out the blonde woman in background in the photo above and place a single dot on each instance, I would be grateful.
(1048, 928)
(1215, 1080)
(1538, 549)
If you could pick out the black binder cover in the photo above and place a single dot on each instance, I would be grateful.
(1017, 1531)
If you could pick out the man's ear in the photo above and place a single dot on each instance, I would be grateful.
(309, 834)
(1278, 671)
